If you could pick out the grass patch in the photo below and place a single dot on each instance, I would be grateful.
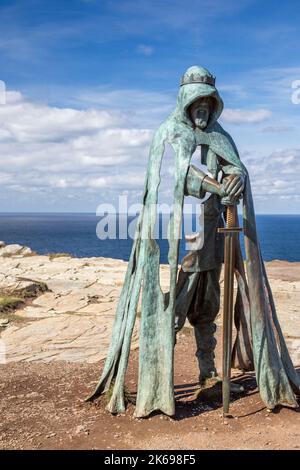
(19, 253)
(53, 256)
(17, 298)
(30, 291)
(12, 299)
(8, 303)
(33, 290)
(10, 255)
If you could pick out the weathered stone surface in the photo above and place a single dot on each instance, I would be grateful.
(73, 320)
(67, 337)
(62, 303)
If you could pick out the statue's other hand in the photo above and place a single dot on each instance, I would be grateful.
(234, 185)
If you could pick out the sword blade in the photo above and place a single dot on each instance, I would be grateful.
(230, 232)
(227, 317)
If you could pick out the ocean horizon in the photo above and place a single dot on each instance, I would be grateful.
(75, 233)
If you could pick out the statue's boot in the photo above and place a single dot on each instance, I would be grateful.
(206, 343)
(205, 353)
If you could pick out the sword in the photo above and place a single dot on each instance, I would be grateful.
(230, 233)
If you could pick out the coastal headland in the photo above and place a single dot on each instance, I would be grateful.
(56, 317)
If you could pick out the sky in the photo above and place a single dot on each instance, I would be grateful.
(86, 82)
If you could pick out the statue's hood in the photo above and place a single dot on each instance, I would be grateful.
(191, 91)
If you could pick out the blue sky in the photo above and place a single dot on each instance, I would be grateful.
(88, 82)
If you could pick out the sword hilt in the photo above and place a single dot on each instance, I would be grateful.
(230, 216)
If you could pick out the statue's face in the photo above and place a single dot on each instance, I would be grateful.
(199, 112)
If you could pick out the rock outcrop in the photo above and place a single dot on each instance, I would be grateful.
(14, 250)
(71, 318)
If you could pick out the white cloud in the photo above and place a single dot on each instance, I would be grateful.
(146, 108)
(47, 151)
(24, 121)
(276, 175)
(243, 116)
(145, 50)
(44, 147)
(276, 129)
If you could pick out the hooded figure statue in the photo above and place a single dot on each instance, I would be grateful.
(259, 343)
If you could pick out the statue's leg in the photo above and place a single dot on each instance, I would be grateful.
(186, 287)
(206, 308)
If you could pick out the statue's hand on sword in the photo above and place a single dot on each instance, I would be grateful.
(234, 185)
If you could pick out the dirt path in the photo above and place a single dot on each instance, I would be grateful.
(42, 408)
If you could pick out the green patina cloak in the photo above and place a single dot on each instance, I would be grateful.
(259, 344)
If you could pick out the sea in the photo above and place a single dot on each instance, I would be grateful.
(76, 234)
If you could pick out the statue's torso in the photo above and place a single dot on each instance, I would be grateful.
(212, 253)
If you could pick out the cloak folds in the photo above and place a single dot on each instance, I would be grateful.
(259, 344)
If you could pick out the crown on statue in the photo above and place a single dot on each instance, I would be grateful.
(197, 78)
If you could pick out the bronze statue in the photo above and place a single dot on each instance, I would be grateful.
(195, 292)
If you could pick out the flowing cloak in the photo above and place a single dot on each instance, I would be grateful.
(259, 343)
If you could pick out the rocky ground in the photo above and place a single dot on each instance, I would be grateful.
(56, 314)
